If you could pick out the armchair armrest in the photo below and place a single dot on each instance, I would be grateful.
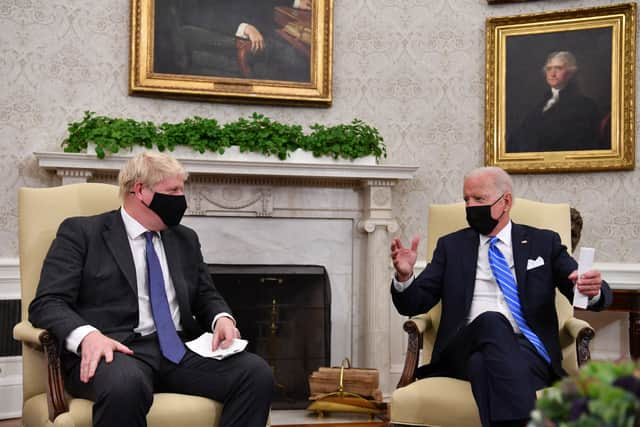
(414, 327)
(44, 341)
(28, 334)
(582, 333)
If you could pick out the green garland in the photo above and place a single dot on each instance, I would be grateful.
(257, 134)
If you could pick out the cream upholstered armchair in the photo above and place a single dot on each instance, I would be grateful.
(448, 402)
(45, 403)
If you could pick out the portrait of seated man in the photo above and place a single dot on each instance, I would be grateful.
(227, 39)
(563, 119)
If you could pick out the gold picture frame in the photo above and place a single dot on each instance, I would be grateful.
(184, 49)
(506, 1)
(593, 123)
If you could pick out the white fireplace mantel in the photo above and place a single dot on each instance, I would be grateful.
(79, 167)
(338, 214)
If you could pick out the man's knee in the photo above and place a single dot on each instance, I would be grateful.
(491, 322)
(259, 372)
(123, 384)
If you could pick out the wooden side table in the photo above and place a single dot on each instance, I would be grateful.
(628, 300)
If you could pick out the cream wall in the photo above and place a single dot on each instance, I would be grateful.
(412, 68)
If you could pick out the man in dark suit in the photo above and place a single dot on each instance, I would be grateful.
(563, 119)
(496, 281)
(199, 37)
(123, 290)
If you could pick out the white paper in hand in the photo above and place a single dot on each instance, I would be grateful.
(202, 346)
(585, 263)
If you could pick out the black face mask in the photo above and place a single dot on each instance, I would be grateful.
(168, 207)
(479, 217)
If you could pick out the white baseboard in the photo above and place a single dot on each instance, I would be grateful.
(10, 387)
(9, 278)
(10, 367)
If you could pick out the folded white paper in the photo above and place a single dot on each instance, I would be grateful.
(202, 346)
(585, 263)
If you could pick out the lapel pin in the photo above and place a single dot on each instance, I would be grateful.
(524, 242)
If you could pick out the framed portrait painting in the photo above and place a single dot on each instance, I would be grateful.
(246, 51)
(560, 90)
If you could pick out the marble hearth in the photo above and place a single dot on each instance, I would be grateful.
(335, 215)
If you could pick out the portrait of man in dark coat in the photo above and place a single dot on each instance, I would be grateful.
(563, 118)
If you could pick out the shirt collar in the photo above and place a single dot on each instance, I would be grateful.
(134, 228)
(503, 235)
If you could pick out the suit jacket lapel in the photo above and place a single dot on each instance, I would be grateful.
(115, 237)
(469, 266)
(520, 246)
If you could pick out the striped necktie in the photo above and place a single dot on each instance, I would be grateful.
(507, 284)
(171, 345)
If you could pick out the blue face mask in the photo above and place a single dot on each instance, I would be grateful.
(480, 219)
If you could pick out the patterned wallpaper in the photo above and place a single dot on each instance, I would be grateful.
(412, 68)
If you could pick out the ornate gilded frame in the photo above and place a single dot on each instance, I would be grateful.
(143, 80)
(620, 22)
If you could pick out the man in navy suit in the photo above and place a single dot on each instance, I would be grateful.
(506, 353)
(121, 339)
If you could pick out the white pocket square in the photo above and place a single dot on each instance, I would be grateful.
(535, 263)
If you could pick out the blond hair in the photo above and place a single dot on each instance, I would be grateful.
(149, 168)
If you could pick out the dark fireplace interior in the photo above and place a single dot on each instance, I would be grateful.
(284, 311)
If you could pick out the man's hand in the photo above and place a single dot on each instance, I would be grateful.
(95, 346)
(588, 283)
(257, 41)
(224, 333)
(404, 258)
(304, 4)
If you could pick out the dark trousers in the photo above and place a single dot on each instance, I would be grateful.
(504, 369)
(122, 391)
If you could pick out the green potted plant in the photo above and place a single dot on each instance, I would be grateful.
(605, 394)
(256, 134)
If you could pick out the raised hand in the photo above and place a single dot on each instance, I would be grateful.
(404, 258)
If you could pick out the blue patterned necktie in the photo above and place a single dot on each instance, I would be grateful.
(171, 345)
(507, 284)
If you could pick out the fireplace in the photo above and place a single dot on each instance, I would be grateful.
(284, 313)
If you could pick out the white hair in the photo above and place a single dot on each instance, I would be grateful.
(501, 180)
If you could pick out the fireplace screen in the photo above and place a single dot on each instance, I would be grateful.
(284, 311)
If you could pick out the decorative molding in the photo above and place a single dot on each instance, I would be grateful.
(9, 278)
(370, 225)
(381, 174)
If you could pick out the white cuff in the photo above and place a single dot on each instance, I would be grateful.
(594, 299)
(296, 3)
(240, 31)
(401, 286)
(215, 319)
(73, 340)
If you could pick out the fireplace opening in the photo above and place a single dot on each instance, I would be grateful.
(284, 311)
